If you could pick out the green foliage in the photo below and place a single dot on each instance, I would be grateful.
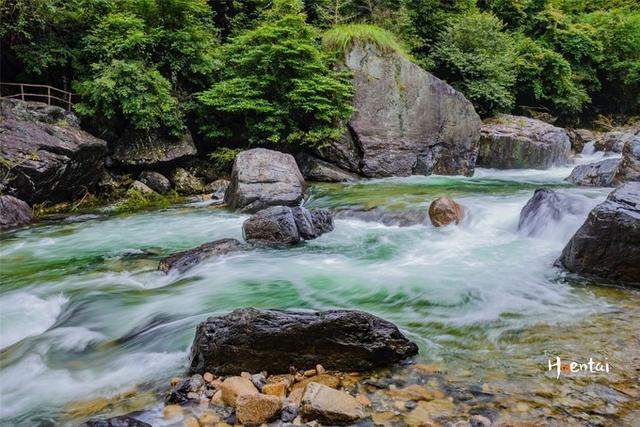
(223, 158)
(341, 37)
(129, 92)
(476, 57)
(276, 86)
(545, 79)
(135, 200)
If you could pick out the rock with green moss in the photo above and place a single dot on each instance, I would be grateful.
(516, 142)
(407, 121)
(150, 150)
(186, 183)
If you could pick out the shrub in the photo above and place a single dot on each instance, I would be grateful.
(341, 37)
(276, 86)
(476, 57)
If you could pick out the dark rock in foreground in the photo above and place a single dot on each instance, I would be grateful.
(508, 142)
(545, 207)
(597, 174)
(182, 261)
(261, 178)
(255, 340)
(121, 421)
(50, 158)
(403, 218)
(14, 212)
(285, 225)
(607, 245)
(407, 121)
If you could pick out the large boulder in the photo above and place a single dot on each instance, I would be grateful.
(614, 140)
(286, 225)
(46, 156)
(255, 340)
(407, 121)
(182, 261)
(261, 178)
(14, 212)
(597, 174)
(629, 168)
(545, 208)
(150, 150)
(516, 142)
(607, 245)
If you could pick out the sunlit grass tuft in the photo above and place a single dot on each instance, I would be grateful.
(342, 37)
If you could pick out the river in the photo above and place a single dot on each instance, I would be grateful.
(89, 326)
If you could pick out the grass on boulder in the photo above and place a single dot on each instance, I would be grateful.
(342, 37)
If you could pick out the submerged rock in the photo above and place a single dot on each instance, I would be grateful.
(156, 181)
(253, 340)
(516, 142)
(401, 218)
(121, 421)
(47, 159)
(315, 169)
(444, 210)
(597, 174)
(545, 207)
(285, 225)
(261, 178)
(328, 406)
(607, 245)
(152, 150)
(14, 213)
(407, 121)
(182, 261)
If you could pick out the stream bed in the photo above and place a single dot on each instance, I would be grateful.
(89, 327)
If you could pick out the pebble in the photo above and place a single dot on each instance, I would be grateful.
(246, 375)
(208, 419)
(234, 387)
(310, 373)
(329, 406)
(217, 398)
(196, 382)
(172, 412)
(363, 399)
(175, 381)
(289, 413)
(277, 389)
(209, 393)
(256, 409)
(320, 369)
(480, 421)
(258, 380)
(190, 422)
(208, 377)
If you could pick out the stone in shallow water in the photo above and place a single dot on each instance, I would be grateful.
(256, 409)
(597, 174)
(329, 406)
(182, 261)
(14, 212)
(401, 218)
(285, 225)
(444, 210)
(544, 208)
(253, 340)
(607, 245)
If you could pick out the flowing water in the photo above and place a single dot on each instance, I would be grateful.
(88, 326)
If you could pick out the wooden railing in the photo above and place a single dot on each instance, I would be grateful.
(33, 92)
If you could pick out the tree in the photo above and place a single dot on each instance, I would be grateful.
(476, 57)
(276, 86)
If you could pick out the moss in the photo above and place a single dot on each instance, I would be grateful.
(86, 203)
(135, 200)
(342, 37)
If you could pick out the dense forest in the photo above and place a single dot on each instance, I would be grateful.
(239, 73)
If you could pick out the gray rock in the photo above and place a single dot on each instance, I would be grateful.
(217, 188)
(261, 178)
(14, 213)
(597, 174)
(153, 150)
(156, 181)
(283, 225)
(121, 421)
(46, 160)
(314, 169)
(407, 121)
(253, 340)
(182, 261)
(544, 208)
(614, 140)
(329, 406)
(140, 187)
(185, 183)
(579, 138)
(607, 245)
(516, 142)
(629, 168)
(404, 218)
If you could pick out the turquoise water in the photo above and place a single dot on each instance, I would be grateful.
(84, 314)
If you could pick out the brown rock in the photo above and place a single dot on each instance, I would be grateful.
(310, 373)
(209, 419)
(234, 387)
(329, 406)
(190, 421)
(172, 412)
(320, 369)
(256, 409)
(444, 210)
(208, 377)
(363, 399)
(217, 398)
(175, 381)
(419, 417)
(277, 389)
(286, 379)
(411, 392)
